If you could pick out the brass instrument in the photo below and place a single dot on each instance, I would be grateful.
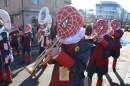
(93, 36)
(32, 67)
(38, 36)
(18, 34)
(4, 16)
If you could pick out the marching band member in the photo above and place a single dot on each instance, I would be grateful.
(6, 56)
(42, 38)
(43, 34)
(26, 41)
(98, 62)
(69, 59)
(117, 33)
(14, 35)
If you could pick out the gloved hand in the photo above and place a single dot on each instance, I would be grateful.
(99, 38)
(54, 52)
(111, 32)
(61, 41)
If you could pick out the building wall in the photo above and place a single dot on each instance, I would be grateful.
(29, 9)
(13, 5)
(17, 19)
(111, 10)
(108, 12)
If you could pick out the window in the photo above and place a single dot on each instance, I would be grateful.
(6, 2)
(54, 3)
(67, 3)
(12, 20)
(100, 6)
(40, 2)
(33, 19)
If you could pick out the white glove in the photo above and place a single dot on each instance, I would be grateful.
(99, 38)
(54, 52)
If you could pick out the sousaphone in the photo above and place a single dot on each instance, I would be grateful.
(6, 20)
(45, 19)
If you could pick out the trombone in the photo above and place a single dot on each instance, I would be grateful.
(32, 67)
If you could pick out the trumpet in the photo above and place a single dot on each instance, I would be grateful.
(18, 34)
(32, 67)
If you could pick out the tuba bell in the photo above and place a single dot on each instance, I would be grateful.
(4, 16)
(44, 18)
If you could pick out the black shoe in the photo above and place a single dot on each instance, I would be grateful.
(2, 81)
(22, 62)
(114, 70)
(6, 83)
(29, 62)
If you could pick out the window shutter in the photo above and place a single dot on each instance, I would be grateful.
(41, 2)
(51, 2)
(57, 3)
(7, 2)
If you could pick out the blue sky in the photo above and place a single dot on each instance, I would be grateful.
(90, 4)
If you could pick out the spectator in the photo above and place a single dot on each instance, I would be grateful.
(88, 30)
(34, 29)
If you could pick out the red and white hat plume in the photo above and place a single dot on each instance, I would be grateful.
(27, 28)
(14, 27)
(115, 24)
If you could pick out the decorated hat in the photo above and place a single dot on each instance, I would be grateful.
(27, 28)
(101, 26)
(14, 27)
(69, 21)
(115, 24)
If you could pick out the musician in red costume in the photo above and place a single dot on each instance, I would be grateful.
(26, 44)
(42, 42)
(71, 57)
(117, 33)
(43, 32)
(14, 34)
(6, 57)
(98, 62)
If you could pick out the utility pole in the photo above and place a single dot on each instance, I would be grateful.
(85, 16)
(22, 12)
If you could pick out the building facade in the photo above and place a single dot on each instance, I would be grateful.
(87, 15)
(110, 10)
(26, 11)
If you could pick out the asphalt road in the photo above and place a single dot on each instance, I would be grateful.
(22, 78)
